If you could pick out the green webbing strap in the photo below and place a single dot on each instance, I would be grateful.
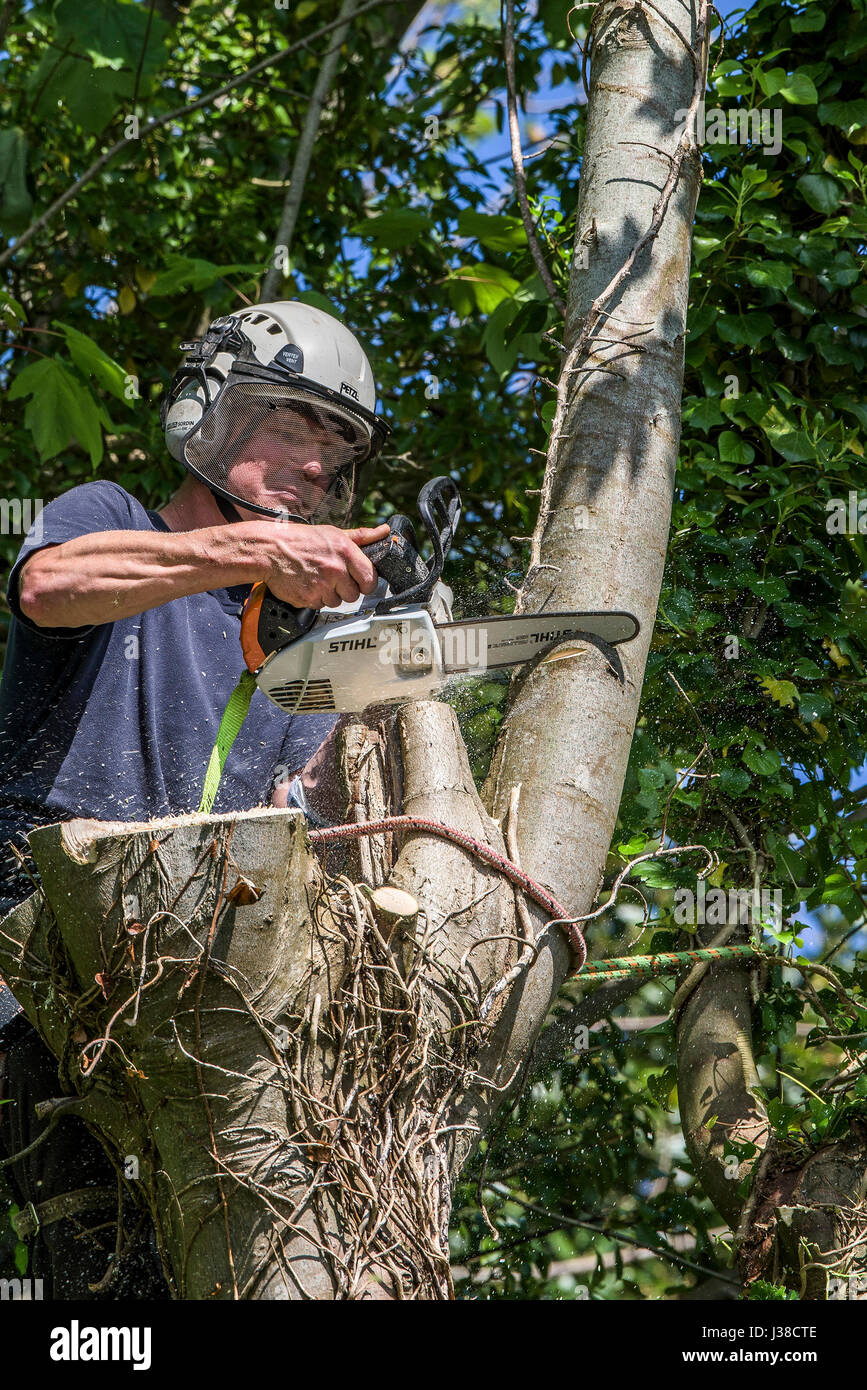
(230, 726)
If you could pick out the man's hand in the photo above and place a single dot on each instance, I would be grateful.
(319, 777)
(321, 566)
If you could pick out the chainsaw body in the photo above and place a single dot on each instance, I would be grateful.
(347, 663)
(399, 643)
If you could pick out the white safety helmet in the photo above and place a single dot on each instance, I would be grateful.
(290, 375)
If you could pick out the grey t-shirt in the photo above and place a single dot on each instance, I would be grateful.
(117, 721)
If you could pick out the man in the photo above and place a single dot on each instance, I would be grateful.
(123, 651)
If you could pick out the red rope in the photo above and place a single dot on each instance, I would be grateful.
(480, 850)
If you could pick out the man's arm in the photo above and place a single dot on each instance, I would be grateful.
(107, 575)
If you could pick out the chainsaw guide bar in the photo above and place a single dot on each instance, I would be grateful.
(382, 658)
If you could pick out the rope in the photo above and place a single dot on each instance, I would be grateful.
(666, 963)
(614, 968)
(480, 850)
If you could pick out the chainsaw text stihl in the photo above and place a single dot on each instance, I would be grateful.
(400, 643)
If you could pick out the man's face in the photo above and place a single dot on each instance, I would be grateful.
(294, 459)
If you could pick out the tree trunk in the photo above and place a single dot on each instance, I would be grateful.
(301, 1067)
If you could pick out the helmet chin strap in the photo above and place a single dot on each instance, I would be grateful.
(230, 512)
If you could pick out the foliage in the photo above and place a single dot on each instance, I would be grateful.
(412, 235)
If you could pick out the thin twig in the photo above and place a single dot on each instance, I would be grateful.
(179, 113)
(518, 162)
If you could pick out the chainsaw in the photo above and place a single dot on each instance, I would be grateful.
(401, 642)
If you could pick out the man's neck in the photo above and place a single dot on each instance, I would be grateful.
(192, 508)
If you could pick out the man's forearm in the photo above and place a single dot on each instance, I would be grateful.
(107, 575)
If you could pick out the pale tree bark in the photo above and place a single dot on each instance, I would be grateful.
(302, 1066)
(803, 1220)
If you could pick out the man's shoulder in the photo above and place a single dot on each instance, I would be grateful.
(99, 496)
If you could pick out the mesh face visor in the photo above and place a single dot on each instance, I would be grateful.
(255, 445)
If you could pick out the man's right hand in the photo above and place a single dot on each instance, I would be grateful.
(321, 566)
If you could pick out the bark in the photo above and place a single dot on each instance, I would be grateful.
(281, 1071)
(602, 531)
(719, 1090)
(802, 1220)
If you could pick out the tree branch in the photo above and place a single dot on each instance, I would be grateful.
(177, 114)
(304, 152)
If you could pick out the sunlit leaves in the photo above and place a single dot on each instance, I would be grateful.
(395, 228)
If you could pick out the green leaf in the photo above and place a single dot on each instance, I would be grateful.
(497, 233)
(113, 32)
(833, 345)
(856, 408)
(547, 415)
(795, 447)
(772, 588)
(811, 21)
(783, 693)
(792, 862)
(92, 361)
(807, 670)
(61, 410)
(91, 96)
(770, 274)
(734, 449)
(763, 762)
(733, 781)
(16, 204)
(13, 312)
(772, 80)
(848, 116)
(488, 285)
(793, 349)
(705, 245)
(821, 192)
(705, 415)
(799, 89)
(699, 320)
(193, 273)
(502, 354)
(813, 706)
(732, 85)
(744, 330)
(395, 228)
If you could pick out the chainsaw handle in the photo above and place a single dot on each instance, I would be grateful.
(439, 506)
(268, 623)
